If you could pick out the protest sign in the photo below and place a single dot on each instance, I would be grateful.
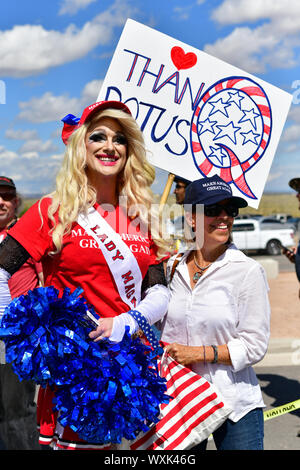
(200, 116)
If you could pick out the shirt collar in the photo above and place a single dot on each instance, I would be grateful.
(232, 254)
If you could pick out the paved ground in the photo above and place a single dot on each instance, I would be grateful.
(285, 306)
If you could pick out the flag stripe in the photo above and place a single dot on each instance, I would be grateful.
(195, 410)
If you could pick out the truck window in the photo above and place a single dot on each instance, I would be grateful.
(243, 228)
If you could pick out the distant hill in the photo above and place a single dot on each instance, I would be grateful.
(271, 203)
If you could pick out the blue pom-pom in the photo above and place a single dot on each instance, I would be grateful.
(41, 330)
(104, 391)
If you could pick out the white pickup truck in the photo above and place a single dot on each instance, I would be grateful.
(251, 234)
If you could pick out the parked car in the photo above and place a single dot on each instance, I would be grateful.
(274, 222)
(262, 234)
(295, 222)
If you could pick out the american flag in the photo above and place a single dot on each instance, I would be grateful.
(194, 412)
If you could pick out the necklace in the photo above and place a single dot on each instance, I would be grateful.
(198, 274)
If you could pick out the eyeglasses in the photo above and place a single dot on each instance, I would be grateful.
(7, 196)
(214, 210)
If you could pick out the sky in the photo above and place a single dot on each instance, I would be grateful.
(55, 55)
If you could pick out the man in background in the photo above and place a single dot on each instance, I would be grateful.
(17, 405)
(178, 226)
(179, 191)
(294, 255)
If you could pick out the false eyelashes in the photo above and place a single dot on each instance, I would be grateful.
(99, 136)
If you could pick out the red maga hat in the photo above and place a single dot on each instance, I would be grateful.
(71, 122)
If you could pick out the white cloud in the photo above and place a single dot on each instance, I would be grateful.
(31, 172)
(18, 134)
(7, 155)
(34, 145)
(90, 92)
(242, 48)
(294, 114)
(271, 43)
(240, 11)
(291, 133)
(42, 49)
(50, 107)
(71, 7)
(274, 176)
(47, 107)
(29, 155)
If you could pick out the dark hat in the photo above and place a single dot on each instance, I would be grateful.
(4, 181)
(71, 122)
(178, 179)
(211, 190)
(294, 183)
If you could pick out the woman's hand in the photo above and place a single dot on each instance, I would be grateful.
(104, 329)
(185, 355)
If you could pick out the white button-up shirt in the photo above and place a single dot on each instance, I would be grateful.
(228, 305)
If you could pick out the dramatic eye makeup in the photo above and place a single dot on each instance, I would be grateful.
(100, 136)
(97, 136)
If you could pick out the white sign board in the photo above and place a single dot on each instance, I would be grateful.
(200, 116)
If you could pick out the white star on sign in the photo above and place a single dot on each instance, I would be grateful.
(217, 153)
(249, 115)
(207, 125)
(235, 97)
(228, 130)
(250, 137)
(220, 106)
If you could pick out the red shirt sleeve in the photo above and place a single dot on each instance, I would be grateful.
(32, 230)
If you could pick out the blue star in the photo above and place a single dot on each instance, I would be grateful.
(220, 106)
(228, 130)
(207, 125)
(250, 137)
(250, 115)
(236, 98)
(217, 153)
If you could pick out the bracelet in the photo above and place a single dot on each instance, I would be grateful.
(204, 356)
(215, 348)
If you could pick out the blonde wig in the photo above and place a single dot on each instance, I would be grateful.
(74, 194)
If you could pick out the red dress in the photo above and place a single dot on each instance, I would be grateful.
(80, 263)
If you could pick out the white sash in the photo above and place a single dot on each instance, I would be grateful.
(120, 260)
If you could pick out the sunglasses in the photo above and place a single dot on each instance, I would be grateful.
(7, 196)
(214, 210)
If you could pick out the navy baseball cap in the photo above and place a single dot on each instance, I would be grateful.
(178, 179)
(210, 190)
(295, 184)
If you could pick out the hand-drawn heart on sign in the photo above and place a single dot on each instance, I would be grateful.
(182, 60)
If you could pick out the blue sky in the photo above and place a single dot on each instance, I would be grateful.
(54, 55)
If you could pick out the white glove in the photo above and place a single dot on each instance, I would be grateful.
(153, 307)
